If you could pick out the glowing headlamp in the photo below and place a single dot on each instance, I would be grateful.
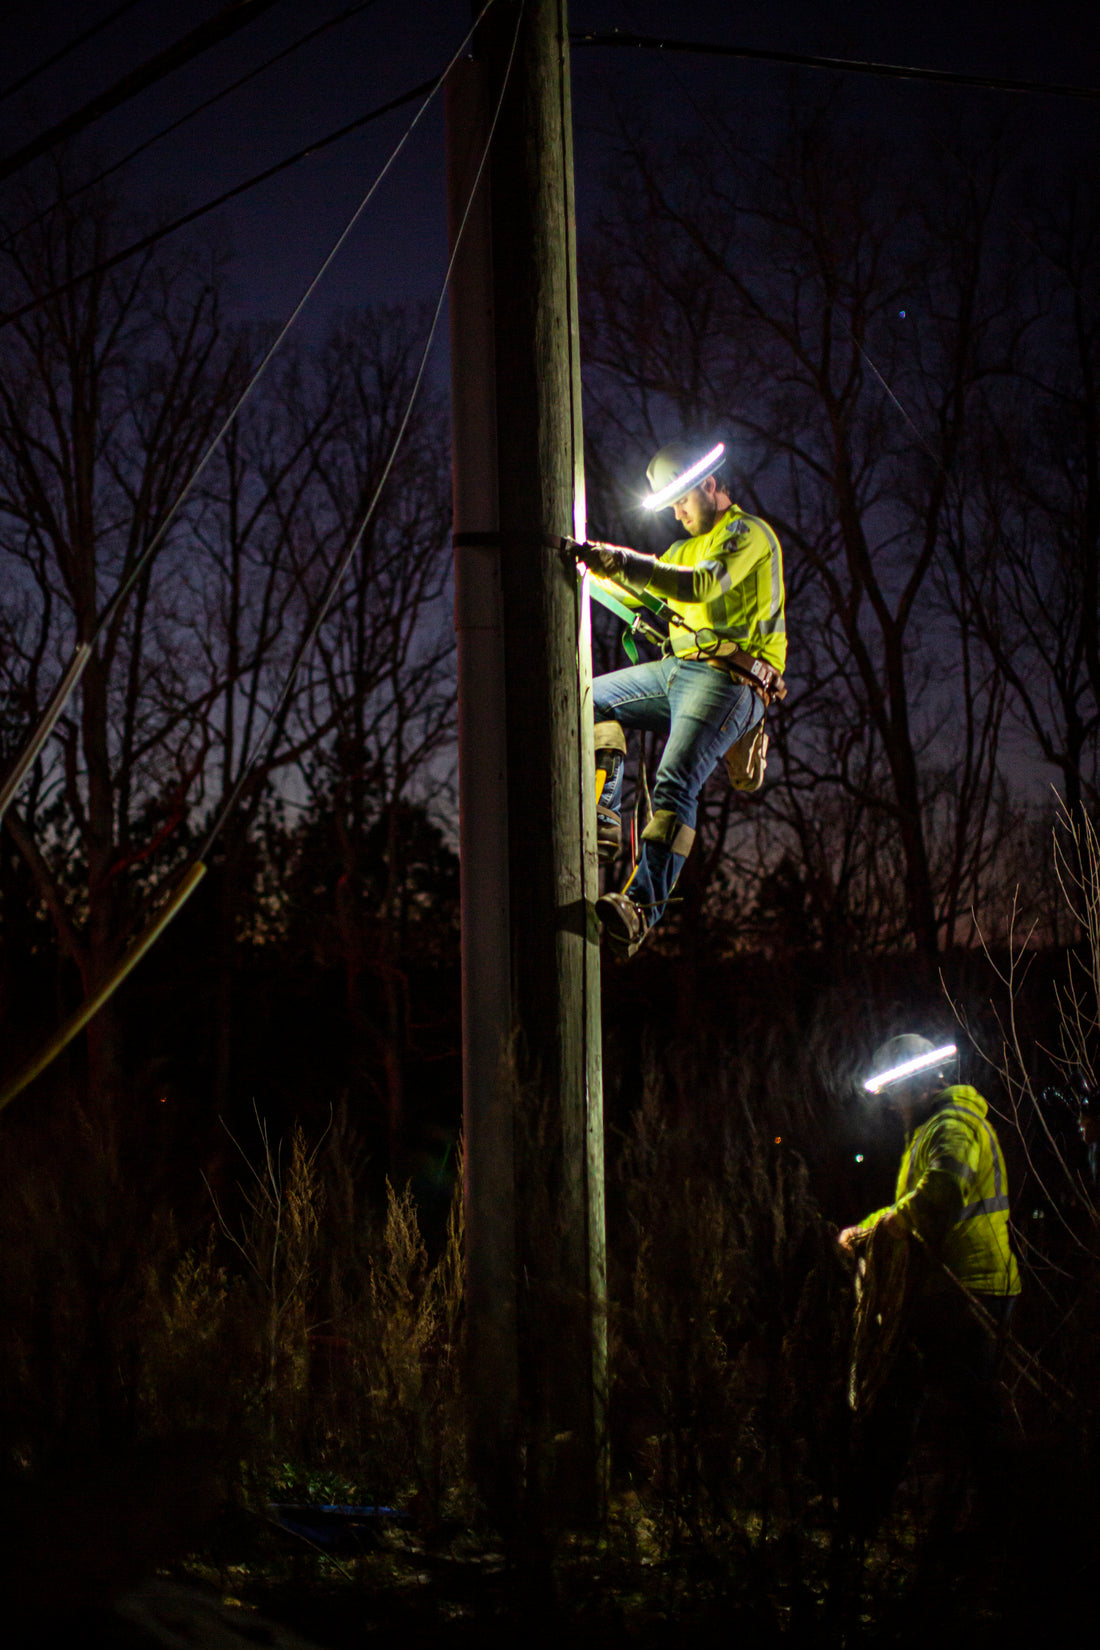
(909, 1068)
(685, 481)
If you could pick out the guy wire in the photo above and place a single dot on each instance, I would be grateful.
(126, 586)
(185, 881)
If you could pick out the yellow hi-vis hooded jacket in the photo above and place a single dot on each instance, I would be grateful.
(952, 1191)
(728, 581)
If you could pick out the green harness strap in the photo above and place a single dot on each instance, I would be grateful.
(635, 625)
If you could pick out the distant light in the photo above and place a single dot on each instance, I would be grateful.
(909, 1068)
(859, 1157)
(164, 1099)
(685, 481)
(779, 1139)
(901, 314)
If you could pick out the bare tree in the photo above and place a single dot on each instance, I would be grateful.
(381, 694)
(189, 710)
(1027, 542)
(109, 394)
(798, 294)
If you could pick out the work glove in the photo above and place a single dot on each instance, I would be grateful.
(607, 559)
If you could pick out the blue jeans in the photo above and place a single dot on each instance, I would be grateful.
(701, 712)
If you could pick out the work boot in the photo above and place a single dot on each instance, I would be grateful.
(609, 836)
(623, 922)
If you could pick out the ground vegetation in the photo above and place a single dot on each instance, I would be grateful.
(230, 1243)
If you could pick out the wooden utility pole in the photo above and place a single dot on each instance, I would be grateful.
(530, 975)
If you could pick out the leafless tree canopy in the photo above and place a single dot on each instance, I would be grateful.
(903, 352)
(111, 396)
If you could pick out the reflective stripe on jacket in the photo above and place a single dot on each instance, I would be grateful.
(730, 581)
(953, 1191)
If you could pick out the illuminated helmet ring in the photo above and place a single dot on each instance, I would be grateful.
(927, 1060)
(672, 491)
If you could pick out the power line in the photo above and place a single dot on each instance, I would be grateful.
(237, 15)
(846, 65)
(339, 572)
(146, 241)
(207, 103)
(84, 648)
(194, 872)
(58, 56)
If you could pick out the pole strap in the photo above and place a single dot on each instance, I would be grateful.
(500, 539)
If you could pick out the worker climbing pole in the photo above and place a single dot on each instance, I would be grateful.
(720, 591)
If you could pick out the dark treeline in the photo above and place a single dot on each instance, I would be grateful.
(197, 1229)
(110, 396)
(905, 360)
(901, 342)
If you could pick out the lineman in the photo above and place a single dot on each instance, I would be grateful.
(951, 1212)
(727, 648)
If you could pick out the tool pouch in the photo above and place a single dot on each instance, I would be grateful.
(747, 759)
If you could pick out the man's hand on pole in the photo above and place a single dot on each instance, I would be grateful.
(608, 560)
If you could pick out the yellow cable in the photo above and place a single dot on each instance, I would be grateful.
(92, 1005)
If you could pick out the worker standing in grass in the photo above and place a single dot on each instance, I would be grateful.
(721, 589)
(938, 1281)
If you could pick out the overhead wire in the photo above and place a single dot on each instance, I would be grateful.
(340, 569)
(618, 38)
(188, 880)
(199, 108)
(233, 17)
(706, 116)
(64, 51)
(84, 648)
(143, 245)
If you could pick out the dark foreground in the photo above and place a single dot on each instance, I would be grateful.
(254, 1584)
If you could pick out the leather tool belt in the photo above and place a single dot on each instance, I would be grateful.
(765, 681)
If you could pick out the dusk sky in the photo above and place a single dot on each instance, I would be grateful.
(280, 231)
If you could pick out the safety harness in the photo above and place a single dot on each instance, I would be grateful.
(766, 682)
(747, 758)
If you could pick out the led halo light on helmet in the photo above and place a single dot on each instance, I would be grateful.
(685, 481)
(909, 1068)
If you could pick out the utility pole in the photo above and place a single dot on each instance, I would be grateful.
(532, 1080)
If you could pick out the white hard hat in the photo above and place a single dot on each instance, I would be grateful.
(902, 1058)
(677, 468)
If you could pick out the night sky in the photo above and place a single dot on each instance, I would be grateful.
(280, 231)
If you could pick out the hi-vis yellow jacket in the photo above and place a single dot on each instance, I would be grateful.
(952, 1191)
(729, 581)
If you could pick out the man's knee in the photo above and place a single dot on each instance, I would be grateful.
(670, 832)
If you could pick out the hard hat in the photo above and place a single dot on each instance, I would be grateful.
(901, 1058)
(677, 468)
